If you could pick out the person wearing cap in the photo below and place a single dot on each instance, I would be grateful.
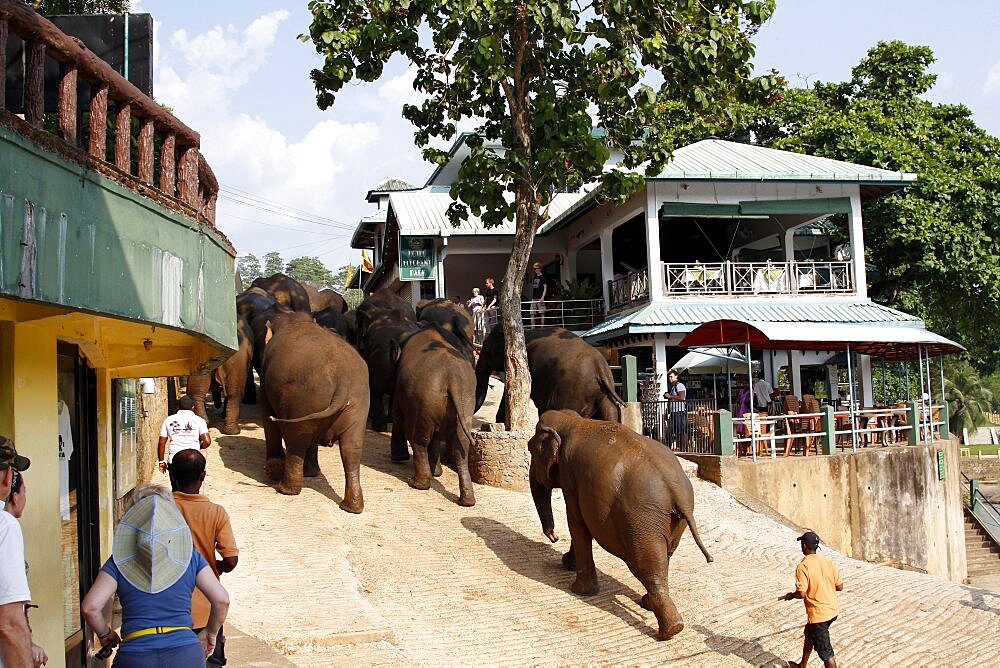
(182, 430)
(211, 530)
(817, 582)
(154, 568)
(16, 648)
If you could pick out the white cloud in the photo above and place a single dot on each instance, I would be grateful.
(945, 81)
(398, 90)
(992, 84)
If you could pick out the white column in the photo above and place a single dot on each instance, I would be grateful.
(439, 287)
(653, 257)
(660, 353)
(864, 380)
(858, 246)
(607, 265)
(795, 371)
(789, 244)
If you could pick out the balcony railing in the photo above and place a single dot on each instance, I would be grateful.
(576, 315)
(628, 290)
(185, 178)
(753, 278)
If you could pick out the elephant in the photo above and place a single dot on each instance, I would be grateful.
(285, 290)
(374, 304)
(252, 301)
(432, 404)
(451, 316)
(566, 372)
(333, 319)
(381, 344)
(314, 390)
(250, 304)
(227, 382)
(621, 488)
(324, 298)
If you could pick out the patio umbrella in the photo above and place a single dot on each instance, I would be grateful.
(698, 363)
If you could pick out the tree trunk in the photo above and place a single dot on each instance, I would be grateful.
(517, 381)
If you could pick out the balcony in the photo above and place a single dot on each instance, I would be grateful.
(757, 278)
(627, 290)
(576, 315)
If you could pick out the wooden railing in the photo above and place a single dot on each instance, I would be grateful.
(628, 290)
(184, 175)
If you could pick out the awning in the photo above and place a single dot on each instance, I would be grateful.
(698, 363)
(887, 342)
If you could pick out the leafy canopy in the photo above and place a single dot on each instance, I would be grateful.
(309, 269)
(537, 76)
(54, 7)
(249, 269)
(273, 264)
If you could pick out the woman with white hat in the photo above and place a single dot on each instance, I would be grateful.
(153, 569)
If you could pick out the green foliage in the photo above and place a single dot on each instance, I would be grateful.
(248, 267)
(574, 289)
(53, 7)
(934, 245)
(969, 400)
(309, 269)
(273, 264)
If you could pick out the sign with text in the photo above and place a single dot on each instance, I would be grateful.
(417, 259)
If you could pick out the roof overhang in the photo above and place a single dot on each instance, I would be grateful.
(893, 342)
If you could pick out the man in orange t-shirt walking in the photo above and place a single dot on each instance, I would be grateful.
(816, 583)
(211, 532)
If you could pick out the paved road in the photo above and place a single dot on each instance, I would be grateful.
(417, 580)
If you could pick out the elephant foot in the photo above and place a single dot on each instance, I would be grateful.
(644, 602)
(569, 561)
(229, 430)
(417, 483)
(467, 500)
(584, 587)
(275, 469)
(310, 471)
(289, 489)
(671, 629)
(437, 470)
(379, 426)
(352, 505)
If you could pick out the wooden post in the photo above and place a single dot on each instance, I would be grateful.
(187, 177)
(123, 137)
(168, 164)
(146, 151)
(829, 427)
(723, 443)
(3, 70)
(67, 104)
(99, 123)
(34, 93)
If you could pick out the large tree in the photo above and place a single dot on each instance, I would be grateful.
(248, 267)
(309, 269)
(934, 245)
(536, 77)
(273, 264)
(54, 7)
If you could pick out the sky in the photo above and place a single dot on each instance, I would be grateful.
(294, 178)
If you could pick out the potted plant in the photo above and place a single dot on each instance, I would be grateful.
(579, 316)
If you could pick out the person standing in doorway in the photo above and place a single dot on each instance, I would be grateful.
(212, 533)
(181, 431)
(817, 582)
(676, 396)
(539, 291)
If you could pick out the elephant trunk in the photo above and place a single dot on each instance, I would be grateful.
(542, 496)
(483, 372)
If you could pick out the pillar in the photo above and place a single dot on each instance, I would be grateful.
(439, 286)
(607, 265)
(857, 246)
(653, 257)
(795, 371)
(833, 380)
(660, 355)
(864, 380)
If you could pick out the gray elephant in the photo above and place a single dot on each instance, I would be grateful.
(227, 382)
(381, 350)
(566, 372)
(314, 390)
(451, 316)
(624, 490)
(432, 404)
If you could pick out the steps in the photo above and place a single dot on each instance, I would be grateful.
(982, 556)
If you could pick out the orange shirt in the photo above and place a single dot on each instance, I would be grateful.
(211, 532)
(817, 578)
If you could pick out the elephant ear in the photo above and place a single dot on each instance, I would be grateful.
(546, 446)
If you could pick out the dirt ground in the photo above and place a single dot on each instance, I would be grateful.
(416, 579)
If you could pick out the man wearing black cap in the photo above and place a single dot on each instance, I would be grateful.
(816, 583)
(16, 648)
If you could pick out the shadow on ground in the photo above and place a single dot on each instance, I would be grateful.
(539, 561)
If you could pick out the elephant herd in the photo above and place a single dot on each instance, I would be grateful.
(325, 371)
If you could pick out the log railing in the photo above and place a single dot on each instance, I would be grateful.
(184, 173)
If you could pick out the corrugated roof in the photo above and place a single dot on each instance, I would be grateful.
(363, 234)
(425, 212)
(684, 315)
(392, 184)
(715, 159)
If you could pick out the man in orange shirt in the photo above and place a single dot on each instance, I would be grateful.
(816, 583)
(211, 532)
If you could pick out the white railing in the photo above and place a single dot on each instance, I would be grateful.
(576, 315)
(741, 278)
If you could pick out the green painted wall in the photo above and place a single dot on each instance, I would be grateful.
(101, 247)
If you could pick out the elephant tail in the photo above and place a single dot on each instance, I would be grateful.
(337, 404)
(608, 387)
(688, 514)
(458, 415)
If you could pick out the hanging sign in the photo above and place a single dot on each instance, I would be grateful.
(417, 259)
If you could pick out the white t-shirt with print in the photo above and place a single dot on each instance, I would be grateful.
(13, 577)
(183, 429)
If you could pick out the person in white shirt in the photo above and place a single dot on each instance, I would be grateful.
(16, 648)
(181, 431)
(762, 392)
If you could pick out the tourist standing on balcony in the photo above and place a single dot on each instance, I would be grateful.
(539, 291)
(476, 304)
(676, 396)
(816, 583)
(490, 294)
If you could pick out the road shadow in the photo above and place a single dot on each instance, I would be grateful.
(748, 649)
(978, 598)
(376, 457)
(541, 562)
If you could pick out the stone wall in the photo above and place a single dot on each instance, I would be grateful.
(500, 459)
(880, 504)
(981, 469)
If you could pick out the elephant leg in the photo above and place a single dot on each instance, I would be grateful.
(569, 559)
(460, 444)
(434, 458)
(421, 466)
(217, 399)
(351, 443)
(310, 465)
(274, 465)
(250, 389)
(398, 451)
(231, 417)
(650, 564)
(297, 447)
(583, 549)
(501, 415)
(376, 409)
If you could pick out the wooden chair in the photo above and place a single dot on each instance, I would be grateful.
(761, 434)
(810, 425)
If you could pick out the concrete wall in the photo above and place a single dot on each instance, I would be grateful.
(878, 505)
(981, 469)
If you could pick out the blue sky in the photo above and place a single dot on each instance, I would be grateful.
(294, 178)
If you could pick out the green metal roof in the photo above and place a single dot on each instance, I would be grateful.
(683, 315)
(390, 185)
(718, 160)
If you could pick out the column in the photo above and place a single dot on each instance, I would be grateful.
(660, 355)
(864, 381)
(439, 287)
(857, 246)
(607, 265)
(653, 256)
(795, 371)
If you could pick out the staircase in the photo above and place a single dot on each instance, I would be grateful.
(982, 555)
